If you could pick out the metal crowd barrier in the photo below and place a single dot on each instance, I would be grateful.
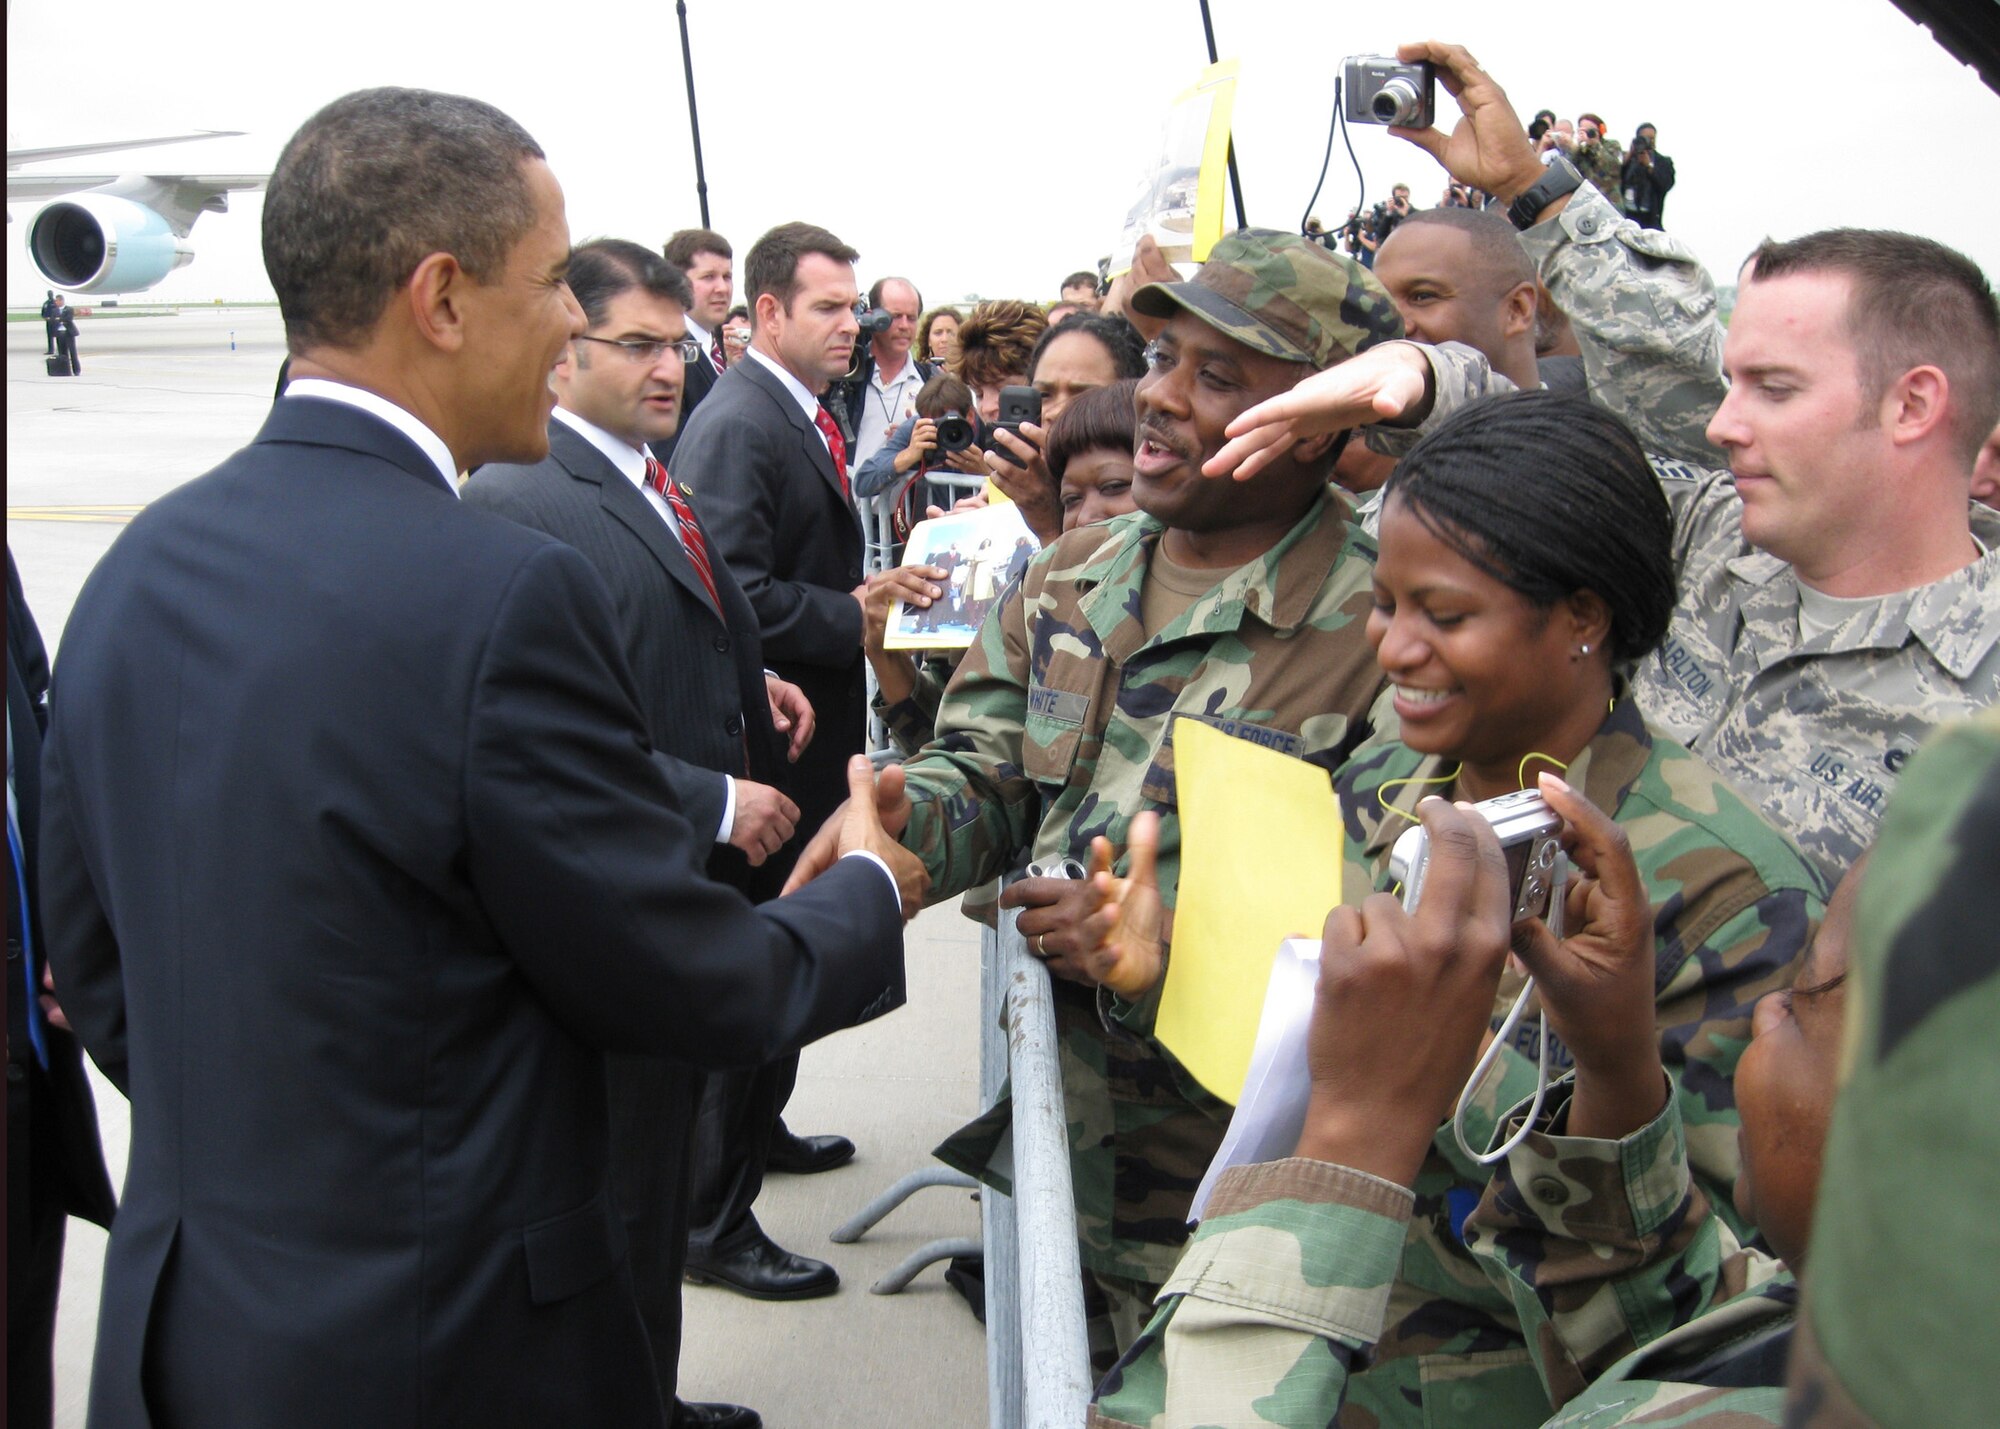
(1037, 1346)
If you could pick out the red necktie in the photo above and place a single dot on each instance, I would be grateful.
(691, 538)
(836, 444)
(715, 352)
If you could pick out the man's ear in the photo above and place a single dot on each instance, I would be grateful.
(766, 310)
(1311, 451)
(1916, 405)
(435, 297)
(1517, 309)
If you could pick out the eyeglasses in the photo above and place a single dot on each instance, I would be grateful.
(648, 352)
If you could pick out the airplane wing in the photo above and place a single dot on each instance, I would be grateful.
(22, 187)
(17, 157)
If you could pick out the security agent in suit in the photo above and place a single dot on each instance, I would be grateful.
(710, 265)
(710, 710)
(356, 858)
(777, 508)
(55, 1163)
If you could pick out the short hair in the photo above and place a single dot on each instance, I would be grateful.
(1912, 302)
(773, 264)
(739, 311)
(1117, 337)
(373, 184)
(943, 393)
(1594, 119)
(1078, 279)
(1496, 243)
(998, 340)
(1104, 418)
(605, 267)
(881, 286)
(1550, 495)
(690, 243)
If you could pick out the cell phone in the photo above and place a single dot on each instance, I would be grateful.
(1530, 836)
(1017, 405)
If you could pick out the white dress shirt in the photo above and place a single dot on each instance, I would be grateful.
(428, 441)
(808, 403)
(883, 405)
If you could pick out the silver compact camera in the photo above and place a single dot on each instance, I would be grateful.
(1381, 89)
(1530, 836)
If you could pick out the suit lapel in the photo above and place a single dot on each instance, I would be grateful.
(808, 434)
(624, 503)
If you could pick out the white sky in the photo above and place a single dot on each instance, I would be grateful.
(994, 148)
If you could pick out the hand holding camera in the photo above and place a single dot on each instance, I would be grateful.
(1404, 1000)
(1488, 149)
(1091, 926)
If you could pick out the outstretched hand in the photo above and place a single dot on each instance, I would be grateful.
(1100, 929)
(1596, 985)
(1384, 384)
(1404, 1000)
(875, 814)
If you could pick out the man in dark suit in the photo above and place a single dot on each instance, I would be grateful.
(712, 713)
(66, 336)
(55, 1164)
(710, 265)
(49, 319)
(356, 856)
(767, 463)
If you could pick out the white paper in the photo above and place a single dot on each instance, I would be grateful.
(1272, 1113)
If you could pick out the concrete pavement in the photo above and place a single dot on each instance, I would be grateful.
(163, 399)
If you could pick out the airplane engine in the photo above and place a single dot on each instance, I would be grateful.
(91, 243)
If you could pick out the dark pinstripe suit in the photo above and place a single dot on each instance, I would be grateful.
(701, 691)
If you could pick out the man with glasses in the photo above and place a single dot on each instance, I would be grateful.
(721, 728)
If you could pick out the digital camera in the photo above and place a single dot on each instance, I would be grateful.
(874, 321)
(1381, 89)
(1530, 836)
(955, 433)
(1017, 405)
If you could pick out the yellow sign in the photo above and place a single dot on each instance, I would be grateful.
(1260, 862)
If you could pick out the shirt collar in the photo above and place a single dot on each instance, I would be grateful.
(697, 331)
(428, 442)
(620, 453)
(909, 373)
(808, 403)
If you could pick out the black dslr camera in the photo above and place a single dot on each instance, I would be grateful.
(955, 433)
(1381, 89)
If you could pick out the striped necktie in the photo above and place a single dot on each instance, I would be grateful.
(695, 544)
(836, 445)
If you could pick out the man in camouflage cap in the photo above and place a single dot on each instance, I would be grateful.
(1241, 605)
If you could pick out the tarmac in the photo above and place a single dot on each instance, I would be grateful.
(161, 400)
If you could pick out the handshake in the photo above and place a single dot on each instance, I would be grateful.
(875, 814)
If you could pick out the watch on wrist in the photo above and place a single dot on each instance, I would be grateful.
(1557, 181)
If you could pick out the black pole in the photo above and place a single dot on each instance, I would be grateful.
(1208, 31)
(694, 120)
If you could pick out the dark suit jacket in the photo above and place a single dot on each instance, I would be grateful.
(55, 1163)
(767, 491)
(355, 859)
(699, 671)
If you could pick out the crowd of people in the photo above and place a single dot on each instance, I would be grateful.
(453, 814)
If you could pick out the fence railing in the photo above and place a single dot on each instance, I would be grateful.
(1037, 1345)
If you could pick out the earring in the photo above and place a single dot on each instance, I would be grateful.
(1583, 649)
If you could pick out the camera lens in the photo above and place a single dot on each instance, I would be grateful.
(1396, 102)
(954, 434)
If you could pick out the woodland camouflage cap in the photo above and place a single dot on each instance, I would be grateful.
(1284, 295)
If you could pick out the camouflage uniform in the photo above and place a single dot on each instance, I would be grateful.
(1904, 1298)
(1734, 905)
(1603, 163)
(1606, 1248)
(1059, 727)
(912, 720)
(1814, 731)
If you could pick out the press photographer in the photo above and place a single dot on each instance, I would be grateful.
(1647, 176)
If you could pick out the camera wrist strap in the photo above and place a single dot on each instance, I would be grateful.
(1501, 1038)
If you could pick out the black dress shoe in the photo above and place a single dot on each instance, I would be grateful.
(765, 1270)
(803, 1155)
(715, 1416)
